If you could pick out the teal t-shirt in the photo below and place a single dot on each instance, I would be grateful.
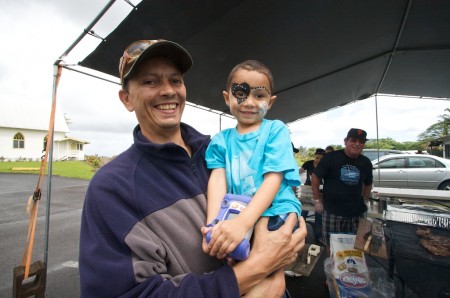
(247, 157)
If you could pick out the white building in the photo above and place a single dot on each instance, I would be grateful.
(23, 132)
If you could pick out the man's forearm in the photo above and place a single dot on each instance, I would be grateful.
(247, 278)
(315, 187)
(366, 192)
(270, 252)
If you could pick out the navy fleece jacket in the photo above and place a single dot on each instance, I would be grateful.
(140, 228)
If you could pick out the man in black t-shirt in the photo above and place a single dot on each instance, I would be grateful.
(347, 182)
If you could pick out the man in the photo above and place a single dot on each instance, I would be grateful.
(308, 167)
(347, 182)
(329, 149)
(144, 214)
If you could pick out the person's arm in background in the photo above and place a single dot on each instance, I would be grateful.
(302, 170)
(315, 186)
(367, 189)
(368, 183)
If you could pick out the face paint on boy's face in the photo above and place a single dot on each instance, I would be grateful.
(263, 108)
(242, 91)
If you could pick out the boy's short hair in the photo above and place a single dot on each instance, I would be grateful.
(251, 65)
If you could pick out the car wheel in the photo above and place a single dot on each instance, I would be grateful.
(444, 185)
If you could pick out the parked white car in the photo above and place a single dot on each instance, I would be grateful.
(412, 171)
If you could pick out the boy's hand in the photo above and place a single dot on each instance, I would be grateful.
(226, 236)
(205, 247)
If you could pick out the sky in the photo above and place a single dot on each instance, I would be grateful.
(36, 33)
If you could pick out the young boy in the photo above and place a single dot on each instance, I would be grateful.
(253, 159)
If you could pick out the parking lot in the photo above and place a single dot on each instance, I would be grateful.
(66, 203)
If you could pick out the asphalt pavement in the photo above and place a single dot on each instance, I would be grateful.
(67, 199)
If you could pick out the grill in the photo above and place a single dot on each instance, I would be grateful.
(425, 274)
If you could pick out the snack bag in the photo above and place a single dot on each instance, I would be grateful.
(349, 270)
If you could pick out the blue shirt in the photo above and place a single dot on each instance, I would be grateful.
(247, 157)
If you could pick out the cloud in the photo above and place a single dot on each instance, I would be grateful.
(399, 118)
(35, 34)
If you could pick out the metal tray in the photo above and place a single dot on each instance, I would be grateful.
(431, 216)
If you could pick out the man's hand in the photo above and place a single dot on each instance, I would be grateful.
(282, 245)
(318, 206)
(271, 251)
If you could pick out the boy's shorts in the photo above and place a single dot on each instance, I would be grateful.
(276, 221)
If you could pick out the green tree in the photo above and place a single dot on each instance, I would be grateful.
(438, 129)
(386, 143)
(302, 155)
(409, 145)
(389, 143)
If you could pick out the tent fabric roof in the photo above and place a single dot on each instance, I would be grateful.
(323, 54)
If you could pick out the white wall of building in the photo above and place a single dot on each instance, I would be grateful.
(34, 145)
(19, 116)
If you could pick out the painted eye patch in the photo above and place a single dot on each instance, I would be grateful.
(242, 91)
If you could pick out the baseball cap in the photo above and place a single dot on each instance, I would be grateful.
(357, 134)
(320, 151)
(139, 50)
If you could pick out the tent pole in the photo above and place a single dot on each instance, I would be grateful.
(57, 68)
(378, 137)
(56, 75)
(89, 27)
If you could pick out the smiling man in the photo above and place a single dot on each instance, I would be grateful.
(347, 182)
(143, 218)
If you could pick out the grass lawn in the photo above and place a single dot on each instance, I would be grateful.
(72, 169)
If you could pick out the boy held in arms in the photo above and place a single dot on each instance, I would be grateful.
(254, 159)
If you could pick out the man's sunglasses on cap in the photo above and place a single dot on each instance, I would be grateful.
(131, 53)
(140, 49)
